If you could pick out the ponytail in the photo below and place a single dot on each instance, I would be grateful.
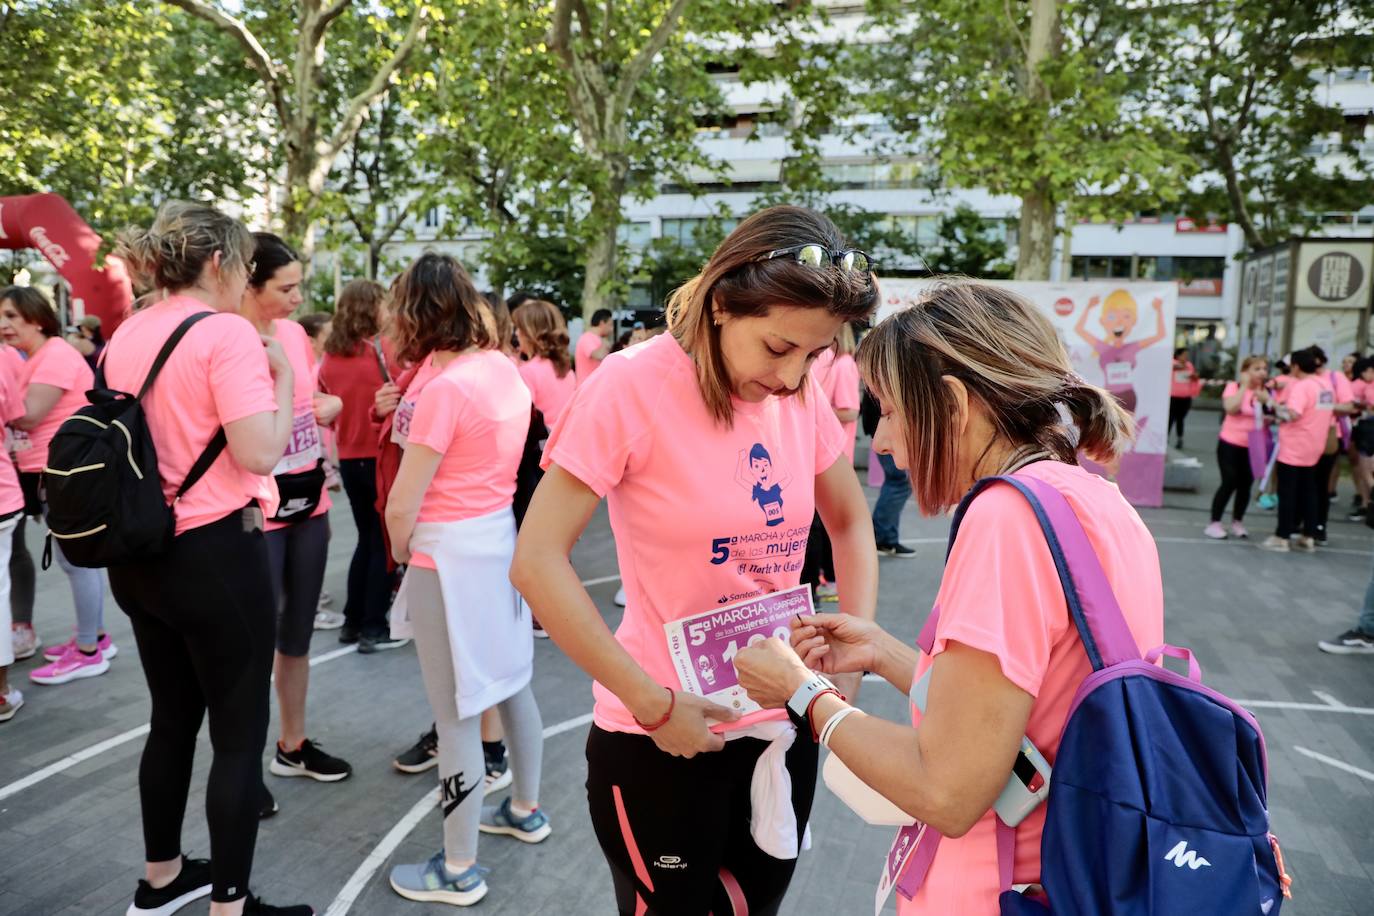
(1105, 428)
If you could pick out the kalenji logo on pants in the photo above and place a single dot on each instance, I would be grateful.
(671, 862)
(1181, 855)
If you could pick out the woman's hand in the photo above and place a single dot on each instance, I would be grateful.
(688, 731)
(837, 643)
(327, 408)
(770, 672)
(400, 552)
(277, 363)
(385, 400)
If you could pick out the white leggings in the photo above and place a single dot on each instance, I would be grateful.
(462, 766)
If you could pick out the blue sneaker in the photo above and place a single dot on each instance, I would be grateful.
(1268, 501)
(432, 882)
(532, 829)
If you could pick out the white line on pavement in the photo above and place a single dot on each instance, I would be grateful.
(1338, 764)
(95, 750)
(602, 581)
(1307, 707)
(1328, 699)
(358, 881)
(1231, 543)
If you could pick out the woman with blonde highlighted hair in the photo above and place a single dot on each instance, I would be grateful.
(712, 445)
(973, 383)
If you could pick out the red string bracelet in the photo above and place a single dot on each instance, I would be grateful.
(672, 704)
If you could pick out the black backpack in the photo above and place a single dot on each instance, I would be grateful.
(103, 486)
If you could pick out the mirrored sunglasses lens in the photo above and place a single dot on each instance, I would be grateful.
(814, 255)
(857, 260)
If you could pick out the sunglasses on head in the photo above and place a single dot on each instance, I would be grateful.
(814, 255)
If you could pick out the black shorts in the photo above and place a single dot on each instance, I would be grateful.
(675, 831)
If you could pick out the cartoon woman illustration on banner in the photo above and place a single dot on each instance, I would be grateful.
(755, 472)
(1115, 354)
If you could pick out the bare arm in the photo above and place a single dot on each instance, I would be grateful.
(949, 770)
(604, 350)
(1160, 333)
(543, 572)
(844, 511)
(846, 415)
(327, 408)
(418, 465)
(1081, 329)
(39, 400)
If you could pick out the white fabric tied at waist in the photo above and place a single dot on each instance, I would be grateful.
(773, 823)
(490, 637)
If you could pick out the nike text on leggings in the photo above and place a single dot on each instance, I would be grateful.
(202, 616)
(675, 831)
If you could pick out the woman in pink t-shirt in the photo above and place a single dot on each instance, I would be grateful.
(449, 517)
(298, 532)
(547, 369)
(202, 613)
(52, 385)
(971, 380)
(11, 511)
(838, 376)
(1243, 402)
(713, 447)
(1184, 385)
(1305, 416)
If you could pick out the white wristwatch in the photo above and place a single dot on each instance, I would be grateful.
(800, 704)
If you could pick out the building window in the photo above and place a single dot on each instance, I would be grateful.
(635, 234)
(684, 231)
(431, 219)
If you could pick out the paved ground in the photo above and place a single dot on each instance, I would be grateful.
(69, 832)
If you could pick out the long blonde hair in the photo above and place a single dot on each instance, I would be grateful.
(740, 283)
(1008, 356)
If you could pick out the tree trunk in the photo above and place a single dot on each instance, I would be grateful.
(1240, 211)
(1037, 206)
(374, 259)
(605, 248)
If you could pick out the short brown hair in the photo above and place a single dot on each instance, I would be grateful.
(1008, 356)
(34, 308)
(542, 325)
(434, 306)
(740, 283)
(356, 316)
(1251, 360)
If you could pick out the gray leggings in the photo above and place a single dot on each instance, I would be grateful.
(88, 588)
(462, 767)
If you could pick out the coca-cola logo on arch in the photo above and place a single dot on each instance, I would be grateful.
(1335, 276)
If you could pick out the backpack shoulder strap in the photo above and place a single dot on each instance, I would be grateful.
(381, 358)
(207, 458)
(165, 353)
(1093, 607)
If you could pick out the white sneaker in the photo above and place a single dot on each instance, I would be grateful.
(1215, 531)
(1275, 543)
(620, 597)
(328, 620)
(10, 703)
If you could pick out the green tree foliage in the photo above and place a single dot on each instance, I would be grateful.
(1238, 80)
(966, 244)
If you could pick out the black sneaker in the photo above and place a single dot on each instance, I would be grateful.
(1356, 514)
(256, 906)
(1351, 642)
(192, 884)
(269, 805)
(896, 550)
(349, 635)
(310, 761)
(369, 644)
(423, 756)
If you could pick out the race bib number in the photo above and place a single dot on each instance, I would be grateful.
(703, 647)
(17, 440)
(906, 864)
(1326, 400)
(303, 449)
(1183, 376)
(1118, 373)
(400, 423)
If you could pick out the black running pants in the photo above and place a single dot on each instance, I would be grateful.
(1236, 477)
(369, 584)
(675, 831)
(1297, 488)
(203, 618)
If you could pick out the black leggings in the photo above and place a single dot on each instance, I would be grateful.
(369, 584)
(675, 831)
(1236, 477)
(23, 575)
(820, 556)
(1298, 498)
(296, 557)
(1323, 484)
(202, 616)
(1178, 412)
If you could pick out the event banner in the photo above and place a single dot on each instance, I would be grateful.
(703, 646)
(1118, 335)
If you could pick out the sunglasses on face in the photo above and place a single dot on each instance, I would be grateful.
(818, 256)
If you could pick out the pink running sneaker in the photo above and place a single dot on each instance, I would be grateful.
(71, 666)
(1238, 530)
(1215, 531)
(107, 647)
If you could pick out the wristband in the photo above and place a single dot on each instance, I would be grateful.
(672, 704)
(812, 705)
(833, 722)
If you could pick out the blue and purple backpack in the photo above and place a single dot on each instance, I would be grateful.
(1157, 800)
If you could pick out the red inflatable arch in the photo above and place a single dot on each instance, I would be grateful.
(48, 223)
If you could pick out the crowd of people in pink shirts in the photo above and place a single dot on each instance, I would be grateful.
(474, 441)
